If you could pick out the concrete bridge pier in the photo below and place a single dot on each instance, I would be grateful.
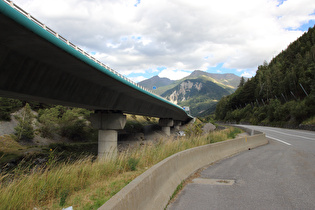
(108, 125)
(177, 125)
(166, 124)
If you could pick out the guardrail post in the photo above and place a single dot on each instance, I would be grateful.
(166, 124)
(108, 125)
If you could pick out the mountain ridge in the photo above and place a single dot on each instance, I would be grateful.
(200, 90)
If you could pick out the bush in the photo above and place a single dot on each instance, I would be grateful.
(67, 122)
(7, 106)
(299, 111)
(73, 124)
(194, 129)
(24, 130)
(49, 122)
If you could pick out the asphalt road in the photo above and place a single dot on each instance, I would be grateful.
(280, 175)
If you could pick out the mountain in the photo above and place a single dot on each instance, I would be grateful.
(155, 81)
(281, 93)
(200, 90)
(199, 94)
(228, 80)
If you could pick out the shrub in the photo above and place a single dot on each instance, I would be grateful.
(194, 129)
(68, 122)
(7, 106)
(24, 130)
(299, 111)
(49, 121)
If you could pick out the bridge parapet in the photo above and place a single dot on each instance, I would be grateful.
(63, 39)
(81, 65)
(56, 71)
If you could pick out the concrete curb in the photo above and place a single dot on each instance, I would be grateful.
(153, 188)
(251, 132)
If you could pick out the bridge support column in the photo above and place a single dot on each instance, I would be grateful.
(166, 124)
(177, 125)
(108, 125)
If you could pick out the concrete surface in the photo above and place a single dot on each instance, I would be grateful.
(53, 72)
(280, 175)
(153, 188)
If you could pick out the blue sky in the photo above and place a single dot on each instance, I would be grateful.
(144, 38)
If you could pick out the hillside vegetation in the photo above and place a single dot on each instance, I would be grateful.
(196, 93)
(200, 90)
(86, 183)
(47, 121)
(30, 130)
(281, 93)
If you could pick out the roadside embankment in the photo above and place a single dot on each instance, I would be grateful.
(154, 187)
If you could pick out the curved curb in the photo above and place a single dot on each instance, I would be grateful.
(153, 188)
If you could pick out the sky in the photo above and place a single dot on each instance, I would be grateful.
(172, 38)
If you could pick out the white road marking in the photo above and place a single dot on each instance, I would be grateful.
(278, 140)
(290, 134)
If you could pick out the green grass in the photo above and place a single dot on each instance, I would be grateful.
(85, 183)
(234, 133)
(178, 188)
(310, 121)
(10, 149)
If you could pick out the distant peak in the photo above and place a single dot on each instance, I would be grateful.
(198, 72)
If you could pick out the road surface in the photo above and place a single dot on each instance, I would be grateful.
(280, 175)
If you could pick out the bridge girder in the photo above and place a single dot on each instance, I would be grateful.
(35, 65)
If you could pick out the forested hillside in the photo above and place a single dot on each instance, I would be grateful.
(282, 92)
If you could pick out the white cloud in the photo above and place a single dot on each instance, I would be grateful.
(248, 74)
(134, 37)
(174, 74)
(293, 13)
(137, 79)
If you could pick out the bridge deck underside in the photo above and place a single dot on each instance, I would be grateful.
(33, 68)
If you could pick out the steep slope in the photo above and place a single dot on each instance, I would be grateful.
(282, 91)
(199, 94)
(200, 90)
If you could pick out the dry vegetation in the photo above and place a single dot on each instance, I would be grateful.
(87, 184)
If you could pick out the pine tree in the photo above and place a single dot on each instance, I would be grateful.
(242, 82)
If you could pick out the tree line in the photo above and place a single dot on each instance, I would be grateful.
(281, 92)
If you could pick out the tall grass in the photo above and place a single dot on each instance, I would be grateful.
(87, 184)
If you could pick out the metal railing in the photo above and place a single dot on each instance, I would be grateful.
(20, 10)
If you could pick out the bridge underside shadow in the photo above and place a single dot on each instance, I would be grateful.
(33, 68)
(37, 65)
